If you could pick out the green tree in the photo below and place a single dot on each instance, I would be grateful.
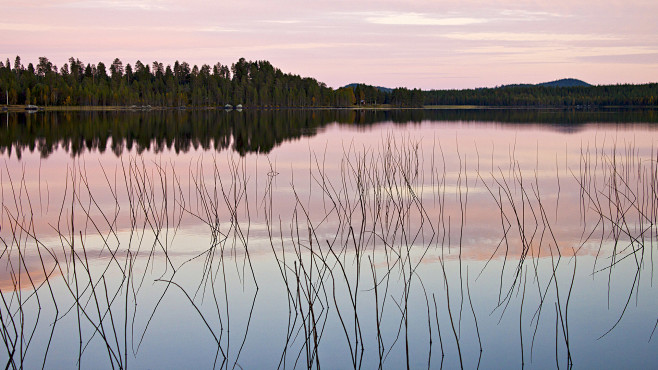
(44, 66)
(116, 69)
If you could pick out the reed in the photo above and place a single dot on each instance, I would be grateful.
(364, 251)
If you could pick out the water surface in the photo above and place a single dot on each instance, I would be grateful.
(333, 238)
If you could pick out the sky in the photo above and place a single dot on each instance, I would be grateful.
(416, 43)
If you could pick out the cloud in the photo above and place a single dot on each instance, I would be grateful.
(559, 55)
(535, 37)
(303, 46)
(27, 27)
(526, 15)
(118, 4)
(420, 19)
(32, 27)
(646, 58)
(209, 29)
(283, 21)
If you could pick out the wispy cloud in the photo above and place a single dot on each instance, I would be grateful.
(118, 4)
(534, 37)
(33, 27)
(550, 55)
(648, 58)
(527, 15)
(303, 46)
(28, 27)
(210, 29)
(283, 21)
(564, 52)
(420, 19)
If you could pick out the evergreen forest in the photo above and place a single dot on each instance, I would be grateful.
(258, 84)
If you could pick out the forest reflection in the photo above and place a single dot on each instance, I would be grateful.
(252, 131)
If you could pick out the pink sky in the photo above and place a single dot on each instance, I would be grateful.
(418, 43)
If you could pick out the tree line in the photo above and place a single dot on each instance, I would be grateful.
(256, 84)
(549, 96)
(259, 84)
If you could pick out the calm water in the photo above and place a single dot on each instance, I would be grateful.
(336, 239)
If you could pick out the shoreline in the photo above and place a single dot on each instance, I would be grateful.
(113, 108)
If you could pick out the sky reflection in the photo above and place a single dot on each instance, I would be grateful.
(471, 164)
(527, 240)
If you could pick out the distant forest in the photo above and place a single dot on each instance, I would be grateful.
(259, 84)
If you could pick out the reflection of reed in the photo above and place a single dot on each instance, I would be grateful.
(625, 203)
(354, 265)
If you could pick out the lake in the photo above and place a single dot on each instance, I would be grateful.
(329, 238)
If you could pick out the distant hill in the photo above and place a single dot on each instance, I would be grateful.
(387, 90)
(565, 82)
